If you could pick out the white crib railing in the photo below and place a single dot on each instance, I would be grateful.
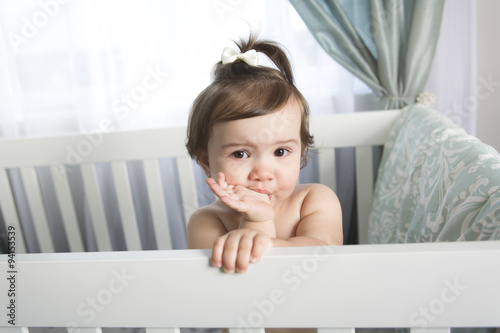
(363, 131)
(438, 285)
(84, 151)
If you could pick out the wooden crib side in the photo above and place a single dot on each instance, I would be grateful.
(437, 285)
(63, 154)
(66, 153)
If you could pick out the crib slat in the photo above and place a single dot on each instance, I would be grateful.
(93, 195)
(364, 189)
(38, 214)
(9, 211)
(64, 198)
(163, 330)
(188, 187)
(327, 174)
(157, 204)
(247, 330)
(126, 205)
(85, 330)
(336, 330)
(430, 330)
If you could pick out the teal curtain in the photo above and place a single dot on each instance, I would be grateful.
(387, 44)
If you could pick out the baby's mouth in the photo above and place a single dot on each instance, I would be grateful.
(269, 195)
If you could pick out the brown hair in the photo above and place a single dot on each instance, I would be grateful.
(240, 91)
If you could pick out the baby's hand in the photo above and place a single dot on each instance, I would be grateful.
(253, 206)
(236, 249)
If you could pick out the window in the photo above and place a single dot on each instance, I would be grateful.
(139, 64)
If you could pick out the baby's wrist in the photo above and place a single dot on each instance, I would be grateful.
(245, 222)
(266, 227)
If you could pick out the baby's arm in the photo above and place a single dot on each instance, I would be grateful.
(321, 220)
(206, 231)
(321, 224)
(321, 217)
(203, 229)
(236, 249)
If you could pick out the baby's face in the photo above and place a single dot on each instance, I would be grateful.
(261, 153)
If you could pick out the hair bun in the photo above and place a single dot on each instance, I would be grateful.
(271, 49)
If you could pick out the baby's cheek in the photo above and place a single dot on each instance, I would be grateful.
(233, 174)
(289, 181)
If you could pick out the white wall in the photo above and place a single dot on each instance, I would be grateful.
(488, 29)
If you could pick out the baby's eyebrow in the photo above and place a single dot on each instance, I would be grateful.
(285, 142)
(235, 144)
(254, 144)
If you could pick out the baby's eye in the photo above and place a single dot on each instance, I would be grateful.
(240, 154)
(281, 152)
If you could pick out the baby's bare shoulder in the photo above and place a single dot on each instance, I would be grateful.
(314, 189)
(204, 226)
(321, 214)
(317, 197)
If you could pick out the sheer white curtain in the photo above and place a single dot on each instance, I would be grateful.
(69, 66)
(453, 76)
(89, 65)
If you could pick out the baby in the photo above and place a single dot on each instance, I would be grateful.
(249, 131)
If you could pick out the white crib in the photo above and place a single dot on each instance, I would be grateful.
(435, 285)
(361, 130)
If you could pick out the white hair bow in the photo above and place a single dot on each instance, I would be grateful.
(229, 55)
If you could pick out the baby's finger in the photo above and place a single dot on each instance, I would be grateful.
(217, 251)
(221, 180)
(244, 250)
(230, 252)
(260, 245)
(212, 184)
(215, 187)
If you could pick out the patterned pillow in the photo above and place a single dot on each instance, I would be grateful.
(435, 183)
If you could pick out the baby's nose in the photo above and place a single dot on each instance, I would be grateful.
(261, 171)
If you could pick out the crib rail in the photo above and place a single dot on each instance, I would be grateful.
(64, 154)
(363, 131)
(322, 287)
